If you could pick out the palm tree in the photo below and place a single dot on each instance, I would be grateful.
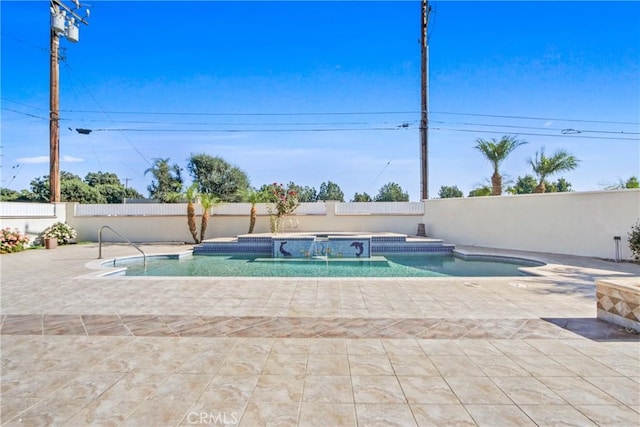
(207, 201)
(544, 166)
(191, 194)
(496, 151)
(252, 196)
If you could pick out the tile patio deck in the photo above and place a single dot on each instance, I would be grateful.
(83, 350)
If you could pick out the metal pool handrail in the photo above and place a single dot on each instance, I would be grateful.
(144, 257)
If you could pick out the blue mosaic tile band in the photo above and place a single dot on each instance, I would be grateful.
(331, 246)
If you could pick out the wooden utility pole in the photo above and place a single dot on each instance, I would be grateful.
(424, 110)
(54, 121)
(64, 22)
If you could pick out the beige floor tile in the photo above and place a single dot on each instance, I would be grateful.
(585, 365)
(229, 388)
(134, 386)
(327, 364)
(578, 391)
(49, 412)
(365, 346)
(377, 389)
(103, 412)
(183, 387)
(622, 363)
(12, 406)
(499, 366)
(498, 415)
(207, 412)
(402, 346)
(41, 385)
(527, 390)
(624, 389)
(442, 415)
(243, 364)
(270, 414)
(427, 390)
(158, 413)
(608, 415)
(542, 366)
(290, 345)
(370, 365)
(456, 366)
(327, 389)
(384, 415)
(314, 414)
(477, 390)
(285, 364)
(278, 388)
(556, 415)
(472, 347)
(413, 364)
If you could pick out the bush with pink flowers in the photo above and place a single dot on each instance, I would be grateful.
(12, 241)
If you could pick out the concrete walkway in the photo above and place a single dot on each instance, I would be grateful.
(78, 349)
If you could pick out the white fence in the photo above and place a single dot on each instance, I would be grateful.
(380, 208)
(27, 210)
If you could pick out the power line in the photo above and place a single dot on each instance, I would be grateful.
(329, 113)
(541, 134)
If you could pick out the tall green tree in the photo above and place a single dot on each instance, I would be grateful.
(450, 192)
(391, 192)
(330, 191)
(217, 178)
(481, 191)
(102, 178)
(166, 185)
(364, 197)
(544, 166)
(305, 194)
(496, 151)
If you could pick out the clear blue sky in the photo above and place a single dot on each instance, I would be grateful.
(247, 81)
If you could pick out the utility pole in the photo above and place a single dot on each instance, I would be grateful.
(126, 185)
(63, 23)
(424, 110)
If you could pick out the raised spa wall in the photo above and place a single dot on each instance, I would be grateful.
(618, 301)
(313, 246)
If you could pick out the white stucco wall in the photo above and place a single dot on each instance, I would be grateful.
(31, 218)
(579, 223)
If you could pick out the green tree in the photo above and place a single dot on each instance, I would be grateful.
(525, 184)
(449, 192)
(392, 192)
(8, 195)
(364, 197)
(496, 152)
(544, 166)
(305, 194)
(191, 196)
(102, 178)
(166, 185)
(632, 182)
(74, 190)
(216, 177)
(481, 191)
(560, 186)
(330, 191)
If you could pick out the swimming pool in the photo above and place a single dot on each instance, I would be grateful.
(257, 265)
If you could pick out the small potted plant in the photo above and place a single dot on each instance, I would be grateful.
(58, 233)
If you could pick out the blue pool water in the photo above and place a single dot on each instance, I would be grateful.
(391, 265)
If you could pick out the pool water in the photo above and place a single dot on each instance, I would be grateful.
(392, 265)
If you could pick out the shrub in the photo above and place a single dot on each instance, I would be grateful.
(634, 240)
(12, 241)
(61, 231)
